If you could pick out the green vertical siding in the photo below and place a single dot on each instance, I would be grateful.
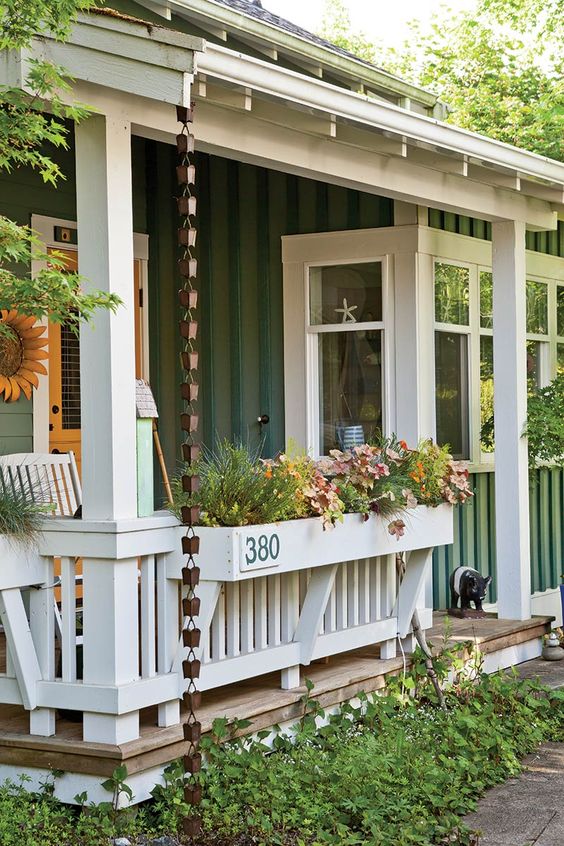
(474, 535)
(243, 212)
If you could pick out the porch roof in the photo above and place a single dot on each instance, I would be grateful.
(280, 39)
(268, 92)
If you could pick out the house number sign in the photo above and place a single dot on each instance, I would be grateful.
(258, 551)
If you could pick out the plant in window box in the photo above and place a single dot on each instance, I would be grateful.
(20, 527)
(261, 514)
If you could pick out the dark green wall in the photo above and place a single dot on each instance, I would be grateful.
(243, 211)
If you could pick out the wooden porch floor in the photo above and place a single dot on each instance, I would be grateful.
(260, 699)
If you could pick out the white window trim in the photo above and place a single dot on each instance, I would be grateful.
(43, 227)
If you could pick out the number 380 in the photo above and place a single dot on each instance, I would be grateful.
(262, 548)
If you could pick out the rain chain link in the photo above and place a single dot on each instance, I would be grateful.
(188, 298)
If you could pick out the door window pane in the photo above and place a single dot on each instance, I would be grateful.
(350, 386)
(349, 293)
(560, 310)
(452, 294)
(451, 369)
(486, 299)
(70, 378)
(537, 308)
(486, 395)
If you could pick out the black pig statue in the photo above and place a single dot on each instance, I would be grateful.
(470, 586)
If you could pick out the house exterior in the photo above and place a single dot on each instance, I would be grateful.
(317, 174)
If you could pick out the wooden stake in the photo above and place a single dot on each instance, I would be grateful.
(162, 464)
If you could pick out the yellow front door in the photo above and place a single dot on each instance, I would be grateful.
(64, 370)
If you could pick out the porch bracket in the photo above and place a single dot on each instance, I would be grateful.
(21, 646)
(410, 589)
(313, 609)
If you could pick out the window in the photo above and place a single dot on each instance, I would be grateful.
(464, 380)
(345, 324)
(452, 321)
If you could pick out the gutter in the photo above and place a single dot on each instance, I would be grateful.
(276, 82)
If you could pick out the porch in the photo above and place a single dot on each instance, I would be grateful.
(337, 679)
(251, 114)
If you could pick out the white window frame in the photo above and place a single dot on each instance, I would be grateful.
(462, 250)
(301, 378)
(43, 227)
(313, 332)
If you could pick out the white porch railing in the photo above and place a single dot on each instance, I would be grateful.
(273, 598)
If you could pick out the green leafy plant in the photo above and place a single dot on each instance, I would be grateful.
(236, 489)
(545, 424)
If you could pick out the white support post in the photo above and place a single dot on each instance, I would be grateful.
(111, 649)
(510, 410)
(107, 345)
(415, 365)
(107, 395)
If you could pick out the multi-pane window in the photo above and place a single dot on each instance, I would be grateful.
(464, 352)
(345, 322)
(452, 321)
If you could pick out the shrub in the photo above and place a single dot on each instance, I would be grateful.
(545, 424)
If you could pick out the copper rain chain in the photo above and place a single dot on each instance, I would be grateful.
(188, 297)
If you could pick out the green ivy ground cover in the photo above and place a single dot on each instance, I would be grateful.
(396, 771)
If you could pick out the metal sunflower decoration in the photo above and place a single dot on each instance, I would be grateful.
(21, 351)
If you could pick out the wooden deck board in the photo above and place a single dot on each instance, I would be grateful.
(259, 699)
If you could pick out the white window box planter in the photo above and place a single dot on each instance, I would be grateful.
(20, 565)
(231, 554)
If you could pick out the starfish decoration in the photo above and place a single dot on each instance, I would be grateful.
(347, 312)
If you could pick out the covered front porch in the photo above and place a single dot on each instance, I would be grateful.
(251, 114)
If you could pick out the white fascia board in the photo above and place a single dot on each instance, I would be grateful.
(294, 46)
(121, 54)
(274, 81)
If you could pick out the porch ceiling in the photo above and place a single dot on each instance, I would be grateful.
(287, 99)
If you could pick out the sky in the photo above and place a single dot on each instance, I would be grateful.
(383, 20)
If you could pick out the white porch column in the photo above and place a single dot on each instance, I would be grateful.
(107, 352)
(107, 345)
(510, 410)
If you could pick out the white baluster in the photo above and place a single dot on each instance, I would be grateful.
(261, 622)
(168, 629)
(42, 626)
(232, 605)
(290, 606)
(68, 618)
(148, 617)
